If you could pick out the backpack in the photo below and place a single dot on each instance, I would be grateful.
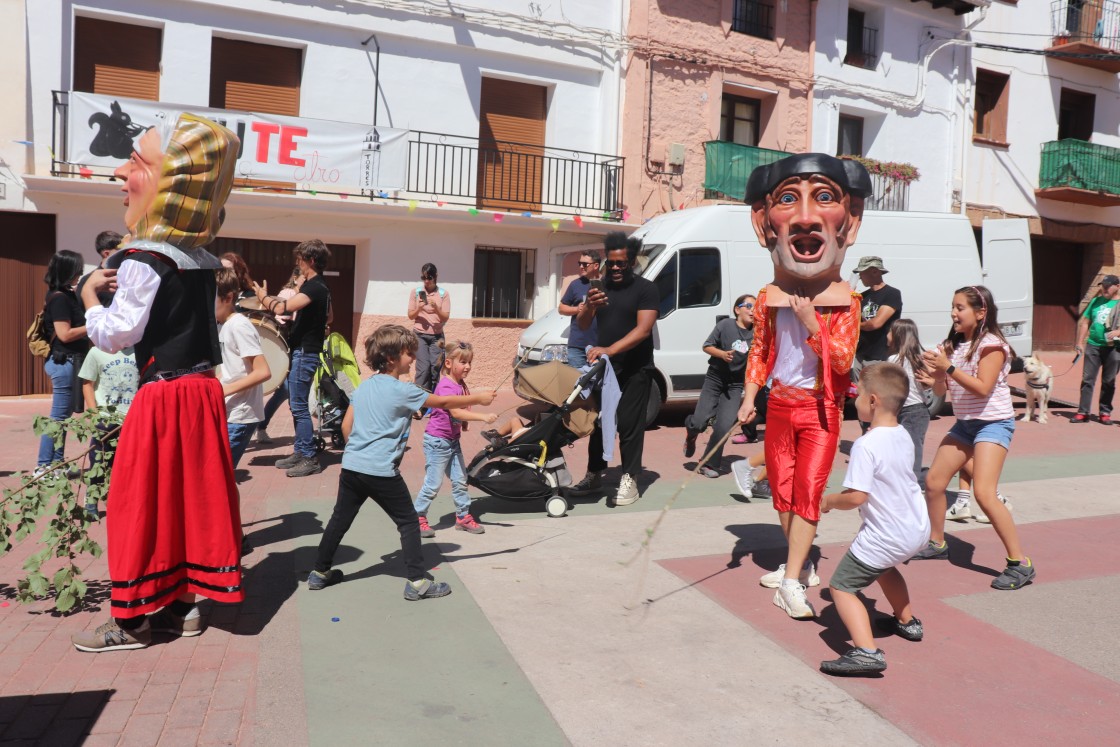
(39, 335)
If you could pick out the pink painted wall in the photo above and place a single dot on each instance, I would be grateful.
(495, 344)
(710, 60)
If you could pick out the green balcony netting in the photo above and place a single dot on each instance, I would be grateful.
(727, 166)
(1081, 165)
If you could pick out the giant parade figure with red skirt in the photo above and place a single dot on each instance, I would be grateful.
(806, 210)
(173, 523)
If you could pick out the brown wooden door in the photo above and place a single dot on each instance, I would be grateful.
(1057, 292)
(255, 77)
(29, 241)
(273, 261)
(511, 145)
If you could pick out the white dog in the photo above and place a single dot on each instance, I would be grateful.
(1040, 384)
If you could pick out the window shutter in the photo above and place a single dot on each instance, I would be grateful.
(255, 77)
(511, 144)
(116, 59)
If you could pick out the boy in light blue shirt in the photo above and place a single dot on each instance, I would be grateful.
(374, 426)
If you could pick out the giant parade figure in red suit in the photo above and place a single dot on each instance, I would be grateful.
(806, 210)
(174, 528)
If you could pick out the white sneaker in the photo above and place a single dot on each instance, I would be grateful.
(982, 517)
(808, 576)
(791, 598)
(960, 510)
(743, 476)
(627, 491)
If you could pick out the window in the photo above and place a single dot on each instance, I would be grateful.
(739, 120)
(116, 59)
(849, 138)
(991, 107)
(511, 133)
(503, 282)
(255, 77)
(1075, 115)
(863, 41)
(753, 18)
(693, 282)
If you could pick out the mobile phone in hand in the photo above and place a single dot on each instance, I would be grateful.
(598, 285)
(423, 296)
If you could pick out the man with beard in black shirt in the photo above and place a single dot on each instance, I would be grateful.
(625, 312)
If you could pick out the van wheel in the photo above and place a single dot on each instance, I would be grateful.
(653, 405)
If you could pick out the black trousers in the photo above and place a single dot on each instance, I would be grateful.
(392, 495)
(631, 426)
(1106, 361)
(720, 398)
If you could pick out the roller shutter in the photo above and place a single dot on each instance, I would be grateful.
(511, 145)
(116, 59)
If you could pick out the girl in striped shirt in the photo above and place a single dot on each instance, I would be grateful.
(974, 363)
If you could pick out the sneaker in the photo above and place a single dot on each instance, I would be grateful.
(468, 524)
(425, 589)
(808, 576)
(1106, 419)
(494, 438)
(933, 552)
(911, 631)
(262, 436)
(591, 483)
(627, 491)
(961, 508)
(856, 662)
(761, 491)
(1080, 417)
(166, 621)
(709, 472)
(791, 598)
(317, 581)
(744, 476)
(690, 443)
(426, 530)
(1014, 577)
(740, 438)
(304, 467)
(288, 462)
(112, 637)
(983, 518)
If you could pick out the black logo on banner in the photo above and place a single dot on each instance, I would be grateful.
(115, 134)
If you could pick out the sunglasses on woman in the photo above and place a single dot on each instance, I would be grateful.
(745, 306)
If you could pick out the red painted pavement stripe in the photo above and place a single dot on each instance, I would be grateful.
(968, 682)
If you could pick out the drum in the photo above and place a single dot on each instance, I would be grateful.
(249, 303)
(273, 346)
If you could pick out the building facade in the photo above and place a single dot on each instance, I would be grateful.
(481, 138)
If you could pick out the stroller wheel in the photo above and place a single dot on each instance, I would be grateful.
(337, 441)
(320, 444)
(556, 506)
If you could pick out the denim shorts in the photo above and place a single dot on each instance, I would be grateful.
(972, 432)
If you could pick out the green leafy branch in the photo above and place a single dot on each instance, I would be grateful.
(53, 499)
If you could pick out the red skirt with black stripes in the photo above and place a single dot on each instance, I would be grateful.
(173, 520)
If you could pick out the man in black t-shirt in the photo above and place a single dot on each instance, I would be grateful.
(625, 313)
(881, 306)
(313, 302)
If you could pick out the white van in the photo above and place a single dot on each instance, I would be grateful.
(703, 258)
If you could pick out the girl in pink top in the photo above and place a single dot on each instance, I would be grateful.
(974, 362)
(442, 453)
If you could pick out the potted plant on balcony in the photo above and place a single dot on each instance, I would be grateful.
(899, 172)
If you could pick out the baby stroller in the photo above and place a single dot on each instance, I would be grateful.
(531, 466)
(335, 380)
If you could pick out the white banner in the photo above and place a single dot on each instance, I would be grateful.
(313, 154)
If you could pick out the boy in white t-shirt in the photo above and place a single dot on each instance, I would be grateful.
(881, 484)
(108, 380)
(244, 368)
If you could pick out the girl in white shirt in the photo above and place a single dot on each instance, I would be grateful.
(906, 350)
(974, 364)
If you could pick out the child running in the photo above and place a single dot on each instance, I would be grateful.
(881, 483)
(976, 376)
(374, 425)
(906, 350)
(442, 453)
(722, 392)
(244, 367)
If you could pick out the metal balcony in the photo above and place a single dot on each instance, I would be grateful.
(1089, 31)
(729, 165)
(1080, 172)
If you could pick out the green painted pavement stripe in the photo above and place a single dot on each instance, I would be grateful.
(397, 672)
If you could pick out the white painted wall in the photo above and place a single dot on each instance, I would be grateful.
(14, 157)
(910, 114)
(1007, 177)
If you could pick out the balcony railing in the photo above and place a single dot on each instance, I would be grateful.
(729, 165)
(1093, 22)
(456, 170)
(1077, 171)
(863, 52)
(754, 18)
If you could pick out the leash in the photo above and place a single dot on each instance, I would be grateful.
(1071, 365)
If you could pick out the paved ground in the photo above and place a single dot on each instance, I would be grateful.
(563, 631)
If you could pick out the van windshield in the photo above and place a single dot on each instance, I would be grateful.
(646, 255)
